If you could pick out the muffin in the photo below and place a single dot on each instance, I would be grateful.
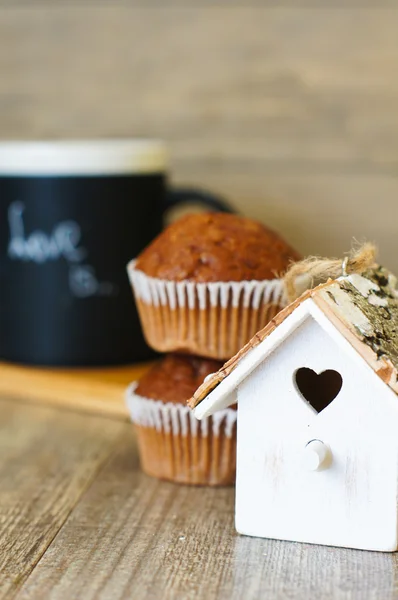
(172, 443)
(208, 282)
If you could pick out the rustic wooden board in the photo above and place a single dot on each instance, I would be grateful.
(135, 537)
(48, 458)
(99, 391)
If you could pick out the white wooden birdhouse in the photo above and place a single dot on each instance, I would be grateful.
(317, 449)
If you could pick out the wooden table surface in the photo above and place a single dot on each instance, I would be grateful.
(78, 520)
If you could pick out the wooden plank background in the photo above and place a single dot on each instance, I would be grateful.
(289, 109)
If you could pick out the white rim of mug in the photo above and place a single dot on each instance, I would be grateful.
(83, 157)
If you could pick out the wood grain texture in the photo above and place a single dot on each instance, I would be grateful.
(99, 391)
(48, 459)
(241, 85)
(135, 537)
(289, 110)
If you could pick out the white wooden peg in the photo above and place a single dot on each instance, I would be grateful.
(316, 456)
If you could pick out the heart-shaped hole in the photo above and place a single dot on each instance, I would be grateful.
(318, 390)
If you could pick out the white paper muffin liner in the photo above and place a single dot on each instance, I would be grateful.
(177, 419)
(174, 445)
(208, 319)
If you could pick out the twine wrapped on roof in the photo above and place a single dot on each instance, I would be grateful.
(314, 270)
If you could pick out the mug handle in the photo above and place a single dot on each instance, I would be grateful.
(183, 195)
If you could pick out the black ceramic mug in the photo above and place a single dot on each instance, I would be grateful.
(72, 214)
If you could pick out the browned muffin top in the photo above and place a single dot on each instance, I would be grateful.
(216, 247)
(176, 377)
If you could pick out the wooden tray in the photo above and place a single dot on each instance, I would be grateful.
(99, 390)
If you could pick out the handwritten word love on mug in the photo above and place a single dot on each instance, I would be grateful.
(62, 243)
(72, 215)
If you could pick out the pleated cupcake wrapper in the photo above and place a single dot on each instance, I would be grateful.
(208, 319)
(174, 445)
